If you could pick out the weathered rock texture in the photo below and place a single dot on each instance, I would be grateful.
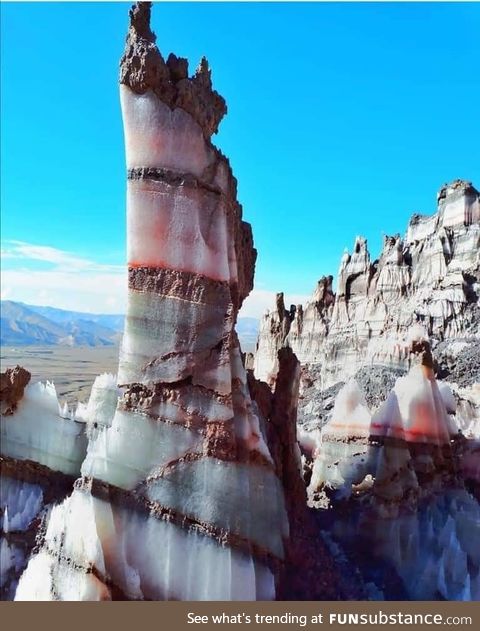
(396, 486)
(142, 68)
(430, 276)
(12, 386)
(309, 571)
(392, 454)
(180, 496)
(40, 457)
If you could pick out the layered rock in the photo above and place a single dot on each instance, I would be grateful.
(41, 451)
(310, 570)
(430, 276)
(395, 482)
(180, 497)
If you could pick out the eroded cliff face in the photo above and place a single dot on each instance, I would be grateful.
(391, 455)
(431, 276)
(395, 482)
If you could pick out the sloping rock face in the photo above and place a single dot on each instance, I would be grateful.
(395, 484)
(431, 276)
(310, 571)
(180, 497)
(41, 452)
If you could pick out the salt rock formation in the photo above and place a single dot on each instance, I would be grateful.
(181, 467)
(310, 570)
(430, 276)
(41, 452)
(395, 482)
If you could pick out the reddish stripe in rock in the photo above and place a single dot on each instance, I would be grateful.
(409, 435)
(182, 228)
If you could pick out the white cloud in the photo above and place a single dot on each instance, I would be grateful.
(60, 259)
(72, 282)
(88, 291)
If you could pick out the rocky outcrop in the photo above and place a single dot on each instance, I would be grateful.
(310, 571)
(142, 69)
(179, 460)
(392, 456)
(430, 276)
(12, 385)
(41, 451)
(395, 483)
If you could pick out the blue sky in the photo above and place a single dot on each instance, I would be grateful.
(343, 119)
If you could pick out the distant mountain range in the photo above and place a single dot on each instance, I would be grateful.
(24, 325)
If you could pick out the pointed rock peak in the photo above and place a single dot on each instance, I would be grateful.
(203, 67)
(323, 291)
(140, 20)
(178, 67)
(203, 73)
(360, 245)
(142, 66)
(389, 241)
(360, 254)
(325, 281)
(390, 244)
(280, 304)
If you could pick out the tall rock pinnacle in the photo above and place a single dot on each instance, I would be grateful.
(179, 496)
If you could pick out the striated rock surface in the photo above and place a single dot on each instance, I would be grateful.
(395, 482)
(430, 276)
(310, 570)
(41, 451)
(182, 478)
(180, 495)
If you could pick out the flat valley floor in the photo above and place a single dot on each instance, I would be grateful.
(72, 370)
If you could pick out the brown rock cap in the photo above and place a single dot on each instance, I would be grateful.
(12, 385)
(143, 68)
